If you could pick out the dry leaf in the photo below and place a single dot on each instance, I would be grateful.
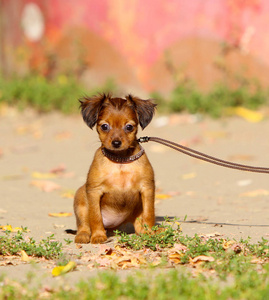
(175, 257)
(163, 196)
(227, 244)
(189, 176)
(210, 235)
(216, 134)
(39, 175)
(60, 270)
(68, 194)
(201, 258)
(10, 228)
(25, 257)
(58, 170)
(255, 193)
(60, 214)
(45, 185)
(247, 114)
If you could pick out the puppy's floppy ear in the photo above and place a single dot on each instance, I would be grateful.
(144, 109)
(91, 107)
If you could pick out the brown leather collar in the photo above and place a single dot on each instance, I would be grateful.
(123, 160)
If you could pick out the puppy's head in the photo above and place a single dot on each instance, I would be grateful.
(117, 119)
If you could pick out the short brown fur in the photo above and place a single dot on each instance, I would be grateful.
(115, 193)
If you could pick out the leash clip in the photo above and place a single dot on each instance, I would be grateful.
(143, 139)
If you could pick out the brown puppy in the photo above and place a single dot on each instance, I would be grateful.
(120, 184)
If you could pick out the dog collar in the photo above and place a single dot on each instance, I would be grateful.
(123, 160)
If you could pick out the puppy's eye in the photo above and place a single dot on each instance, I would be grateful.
(105, 127)
(129, 127)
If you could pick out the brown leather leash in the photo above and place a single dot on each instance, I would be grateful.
(203, 156)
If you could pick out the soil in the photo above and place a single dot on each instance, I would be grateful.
(207, 199)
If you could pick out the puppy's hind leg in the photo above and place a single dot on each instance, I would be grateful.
(82, 216)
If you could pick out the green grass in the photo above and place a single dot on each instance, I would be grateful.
(45, 95)
(61, 93)
(240, 269)
(175, 284)
(186, 97)
(164, 235)
(14, 243)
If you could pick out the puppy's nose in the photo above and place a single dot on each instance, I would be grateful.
(116, 143)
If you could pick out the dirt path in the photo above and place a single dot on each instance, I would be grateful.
(215, 200)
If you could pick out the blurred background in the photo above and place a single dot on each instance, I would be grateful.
(185, 54)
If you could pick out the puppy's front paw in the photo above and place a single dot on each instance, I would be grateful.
(82, 238)
(98, 238)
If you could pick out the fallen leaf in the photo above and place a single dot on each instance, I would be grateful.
(189, 176)
(25, 257)
(10, 228)
(60, 214)
(58, 170)
(201, 258)
(227, 244)
(175, 257)
(60, 270)
(45, 185)
(210, 235)
(216, 134)
(255, 193)
(163, 196)
(247, 114)
(68, 194)
(39, 175)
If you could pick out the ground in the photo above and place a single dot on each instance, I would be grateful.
(45, 158)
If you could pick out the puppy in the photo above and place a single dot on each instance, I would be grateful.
(120, 184)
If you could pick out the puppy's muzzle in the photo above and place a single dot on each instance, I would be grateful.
(116, 144)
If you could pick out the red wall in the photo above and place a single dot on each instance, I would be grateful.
(147, 44)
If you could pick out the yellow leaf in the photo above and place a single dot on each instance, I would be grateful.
(24, 256)
(227, 244)
(6, 227)
(60, 270)
(60, 214)
(68, 194)
(255, 193)
(175, 257)
(39, 175)
(247, 114)
(189, 176)
(201, 258)
(10, 228)
(162, 196)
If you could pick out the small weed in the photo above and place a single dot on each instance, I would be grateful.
(187, 97)
(60, 93)
(12, 244)
(160, 236)
(68, 241)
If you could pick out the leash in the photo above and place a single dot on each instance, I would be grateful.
(203, 156)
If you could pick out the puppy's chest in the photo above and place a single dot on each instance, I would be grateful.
(122, 178)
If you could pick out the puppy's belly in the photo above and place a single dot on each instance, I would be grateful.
(112, 219)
